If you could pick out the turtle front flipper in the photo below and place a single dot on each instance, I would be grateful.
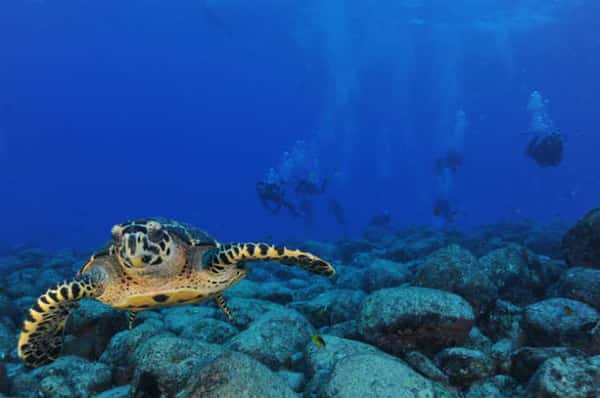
(236, 252)
(41, 339)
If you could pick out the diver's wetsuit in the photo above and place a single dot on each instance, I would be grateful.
(271, 195)
(546, 150)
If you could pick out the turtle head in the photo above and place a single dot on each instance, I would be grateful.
(139, 244)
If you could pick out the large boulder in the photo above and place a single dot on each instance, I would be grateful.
(168, 362)
(581, 284)
(456, 270)
(91, 325)
(236, 375)
(320, 361)
(414, 318)
(581, 244)
(274, 338)
(179, 319)
(560, 321)
(464, 366)
(122, 346)
(573, 377)
(526, 360)
(68, 376)
(378, 376)
(209, 330)
(513, 270)
(504, 321)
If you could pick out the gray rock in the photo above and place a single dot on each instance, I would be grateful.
(92, 325)
(331, 307)
(22, 283)
(582, 284)
(8, 341)
(415, 243)
(178, 319)
(274, 337)
(310, 292)
(123, 345)
(245, 289)
(512, 270)
(504, 321)
(294, 380)
(377, 376)
(348, 330)
(573, 377)
(526, 360)
(464, 366)
(560, 321)
(478, 341)
(117, 392)
(320, 361)
(68, 376)
(350, 278)
(9, 309)
(168, 362)
(501, 355)
(209, 330)
(381, 273)
(275, 292)
(246, 310)
(456, 270)
(500, 386)
(580, 245)
(413, 318)
(426, 367)
(236, 375)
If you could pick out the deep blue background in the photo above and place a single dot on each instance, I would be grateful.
(113, 109)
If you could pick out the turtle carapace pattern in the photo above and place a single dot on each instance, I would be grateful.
(150, 263)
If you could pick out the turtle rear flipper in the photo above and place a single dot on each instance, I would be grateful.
(236, 252)
(41, 339)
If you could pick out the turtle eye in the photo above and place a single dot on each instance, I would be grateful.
(117, 233)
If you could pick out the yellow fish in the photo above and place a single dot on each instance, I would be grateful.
(318, 341)
(568, 310)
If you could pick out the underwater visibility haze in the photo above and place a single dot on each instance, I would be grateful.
(424, 176)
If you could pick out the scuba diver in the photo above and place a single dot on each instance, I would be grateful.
(309, 185)
(272, 197)
(444, 209)
(452, 160)
(547, 149)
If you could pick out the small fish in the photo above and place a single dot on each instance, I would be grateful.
(318, 341)
(568, 310)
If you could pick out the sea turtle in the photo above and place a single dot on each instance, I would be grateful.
(150, 263)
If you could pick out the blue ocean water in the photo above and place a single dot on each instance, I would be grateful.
(111, 110)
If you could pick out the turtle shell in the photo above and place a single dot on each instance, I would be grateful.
(186, 232)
